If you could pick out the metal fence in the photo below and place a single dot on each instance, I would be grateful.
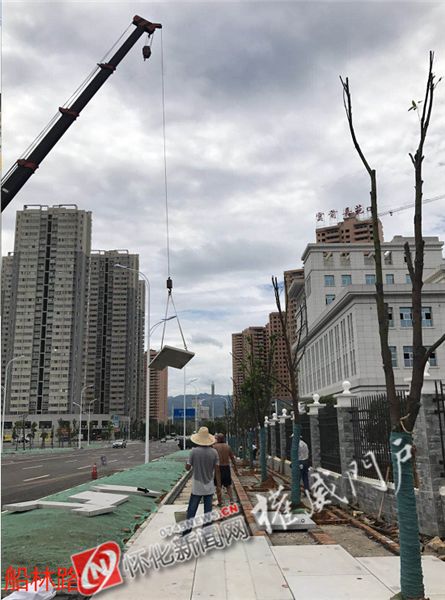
(329, 444)
(305, 433)
(288, 428)
(371, 427)
(277, 440)
(439, 399)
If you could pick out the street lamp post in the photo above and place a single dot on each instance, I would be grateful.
(196, 410)
(80, 412)
(147, 385)
(5, 390)
(89, 418)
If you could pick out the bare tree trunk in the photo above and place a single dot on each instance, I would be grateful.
(411, 577)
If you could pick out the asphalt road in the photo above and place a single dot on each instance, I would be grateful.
(28, 477)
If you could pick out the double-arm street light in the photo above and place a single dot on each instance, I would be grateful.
(147, 374)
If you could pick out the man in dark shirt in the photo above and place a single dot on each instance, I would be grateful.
(225, 456)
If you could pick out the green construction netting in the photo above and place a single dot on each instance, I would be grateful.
(48, 537)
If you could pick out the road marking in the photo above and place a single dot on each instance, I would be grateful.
(115, 460)
(85, 467)
(35, 467)
(75, 460)
(131, 456)
(34, 478)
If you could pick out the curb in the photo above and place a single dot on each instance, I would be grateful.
(246, 505)
(379, 537)
(168, 499)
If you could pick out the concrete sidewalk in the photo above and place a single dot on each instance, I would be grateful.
(255, 570)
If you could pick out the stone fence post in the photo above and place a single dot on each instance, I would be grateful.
(345, 434)
(315, 430)
(428, 454)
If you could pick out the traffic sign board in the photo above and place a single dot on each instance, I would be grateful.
(178, 413)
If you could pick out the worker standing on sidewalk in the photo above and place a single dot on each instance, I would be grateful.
(225, 456)
(205, 462)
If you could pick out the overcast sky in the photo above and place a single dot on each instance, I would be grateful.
(257, 140)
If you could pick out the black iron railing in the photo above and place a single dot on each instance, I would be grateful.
(371, 427)
(277, 439)
(288, 426)
(329, 445)
(439, 399)
(305, 433)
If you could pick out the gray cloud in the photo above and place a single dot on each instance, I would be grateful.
(257, 140)
(206, 340)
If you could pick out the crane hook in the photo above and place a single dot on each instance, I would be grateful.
(146, 52)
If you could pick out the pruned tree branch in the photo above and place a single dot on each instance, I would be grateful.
(409, 260)
(434, 347)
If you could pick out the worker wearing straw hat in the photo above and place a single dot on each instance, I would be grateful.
(205, 462)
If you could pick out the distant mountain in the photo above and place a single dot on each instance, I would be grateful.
(217, 401)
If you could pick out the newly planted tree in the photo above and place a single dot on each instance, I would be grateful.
(402, 425)
(293, 355)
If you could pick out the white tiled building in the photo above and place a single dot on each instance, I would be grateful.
(343, 339)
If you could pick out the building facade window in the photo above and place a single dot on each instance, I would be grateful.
(389, 278)
(308, 286)
(393, 350)
(370, 279)
(407, 278)
(427, 316)
(390, 316)
(329, 281)
(408, 356)
(433, 360)
(330, 298)
(406, 317)
(346, 280)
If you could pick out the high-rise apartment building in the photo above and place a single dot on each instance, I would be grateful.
(280, 371)
(158, 393)
(44, 300)
(352, 229)
(113, 361)
(251, 341)
(293, 280)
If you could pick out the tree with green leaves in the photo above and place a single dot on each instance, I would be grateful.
(43, 436)
(293, 355)
(402, 425)
(32, 434)
(256, 395)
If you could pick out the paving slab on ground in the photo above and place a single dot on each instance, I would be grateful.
(246, 570)
(327, 573)
(49, 537)
(387, 569)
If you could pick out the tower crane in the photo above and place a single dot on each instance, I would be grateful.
(27, 164)
(391, 211)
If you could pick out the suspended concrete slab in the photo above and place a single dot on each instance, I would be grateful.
(171, 357)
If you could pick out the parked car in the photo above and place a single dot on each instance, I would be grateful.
(119, 444)
(163, 440)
